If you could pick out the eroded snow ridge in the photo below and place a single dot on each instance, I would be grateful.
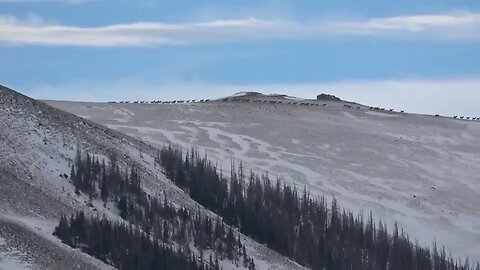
(419, 170)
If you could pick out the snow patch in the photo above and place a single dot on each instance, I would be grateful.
(12, 259)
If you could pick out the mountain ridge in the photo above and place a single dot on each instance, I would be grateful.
(38, 146)
(401, 166)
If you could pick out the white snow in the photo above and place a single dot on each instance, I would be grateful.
(240, 94)
(37, 147)
(12, 259)
(370, 161)
(293, 98)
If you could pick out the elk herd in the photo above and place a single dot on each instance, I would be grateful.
(163, 102)
(466, 118)
(270, 101)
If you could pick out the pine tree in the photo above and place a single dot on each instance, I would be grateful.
(251, 265)
(166, 233)
(230, 243)
(245, 257)
(304, 229)
(104, 192)
(123, 207)
(62, 230)
(75, 179)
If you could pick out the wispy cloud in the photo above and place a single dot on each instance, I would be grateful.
(451, 26)
(460, 26)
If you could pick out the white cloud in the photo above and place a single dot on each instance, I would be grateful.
(459, 26)
(450, 26)
(447, 97)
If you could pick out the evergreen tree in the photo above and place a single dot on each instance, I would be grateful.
(302, 228)
(299, 227)
(122, 246)
(104, 192)
(76, 180)
(62, 230)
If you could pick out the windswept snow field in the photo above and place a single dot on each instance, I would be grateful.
(421, 171)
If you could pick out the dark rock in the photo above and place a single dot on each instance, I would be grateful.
(328, 97)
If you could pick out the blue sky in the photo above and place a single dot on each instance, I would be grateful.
(377, 52)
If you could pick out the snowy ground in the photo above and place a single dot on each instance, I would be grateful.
(37, 144)
(28, 243)
(419, 170)
(10, 258)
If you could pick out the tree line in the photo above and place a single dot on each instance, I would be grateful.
(300, 227)
(122, 246)
(148, 217)
(93, 178)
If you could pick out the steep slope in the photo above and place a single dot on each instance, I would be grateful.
(37, 146)
(419, 170)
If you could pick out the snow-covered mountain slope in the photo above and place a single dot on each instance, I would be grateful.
(419, 170)
(37, 145)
